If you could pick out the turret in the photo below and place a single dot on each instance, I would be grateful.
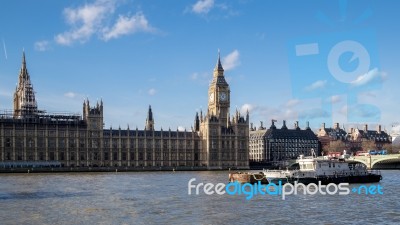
(197, 122)
(93, 115)
(149, 120)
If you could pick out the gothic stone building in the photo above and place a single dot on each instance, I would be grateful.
(216, 141)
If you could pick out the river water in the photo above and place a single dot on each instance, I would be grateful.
(162, 198)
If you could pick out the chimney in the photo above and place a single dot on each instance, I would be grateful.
(336, 126)
(366, 127)
(261, 125)
(351, 130)
(284, 125)
(379, 129)
(323, 126)
(296, 125)
(251, 126)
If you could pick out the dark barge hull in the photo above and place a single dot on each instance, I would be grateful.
(370, 178)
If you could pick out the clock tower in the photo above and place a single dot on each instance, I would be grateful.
(224, 138)
(219, 94)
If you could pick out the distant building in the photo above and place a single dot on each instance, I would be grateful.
(327, 135)
(287, 143)
(257, 144)
(217, 141)
(378, 137)
(281, 144)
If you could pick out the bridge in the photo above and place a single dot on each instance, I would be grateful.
(391, 161)
(378, 161)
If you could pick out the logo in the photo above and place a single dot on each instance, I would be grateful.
(339, 69)
(250, 190)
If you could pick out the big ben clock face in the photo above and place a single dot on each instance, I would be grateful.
(211, 99)
(222, 96)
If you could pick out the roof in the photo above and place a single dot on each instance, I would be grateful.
(291, 134)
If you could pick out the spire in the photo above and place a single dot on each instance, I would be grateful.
(149, 120)
(150, 114)
(218, 66)
(23, 58)
(197, 122)
(23, 74)
(24, 96)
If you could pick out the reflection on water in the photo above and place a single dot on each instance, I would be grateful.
(161, 198)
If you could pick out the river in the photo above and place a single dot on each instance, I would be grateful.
(162, 198)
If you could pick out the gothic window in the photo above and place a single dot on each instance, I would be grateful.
(213, 144)
(132, 155)
(71, 143)
(51, 156)
(81, 143)
(8, 142)
(82, 156)
(41, 156)
(61, 156)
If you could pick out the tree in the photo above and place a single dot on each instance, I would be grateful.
(334, 146)
(391, 148)
(368, 145)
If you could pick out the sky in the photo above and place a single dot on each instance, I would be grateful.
(317, 61)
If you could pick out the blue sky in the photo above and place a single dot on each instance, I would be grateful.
(135, 53)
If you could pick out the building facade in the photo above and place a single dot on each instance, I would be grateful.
(216, 141)
(257, 144)
(377, 137)
(337, 139)
(287, 143)
(276, 144)
(328, 135)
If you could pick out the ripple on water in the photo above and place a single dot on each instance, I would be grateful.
(161, 197)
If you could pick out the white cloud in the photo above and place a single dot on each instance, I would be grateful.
(70, 94)
(127, 25)
(85, 21)
(195, 76)
(73, 95)
(181, 128)
(292, 102)
(42, 46)
(92, 18)
(317, 85)
(367, 77)
(336, 99)
(247, 107)
(231, 60)
(395, 129)
(152, 91)
(203, 6)
(313, 113)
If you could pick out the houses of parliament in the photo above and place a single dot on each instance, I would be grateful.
(29, 136)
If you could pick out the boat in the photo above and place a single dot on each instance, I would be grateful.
(312, 169)
(248, 177)
(326, 170)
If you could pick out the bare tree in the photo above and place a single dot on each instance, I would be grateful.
(392, 149)
(368, 145)
(335, 146)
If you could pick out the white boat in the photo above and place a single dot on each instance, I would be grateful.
(327, 170)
